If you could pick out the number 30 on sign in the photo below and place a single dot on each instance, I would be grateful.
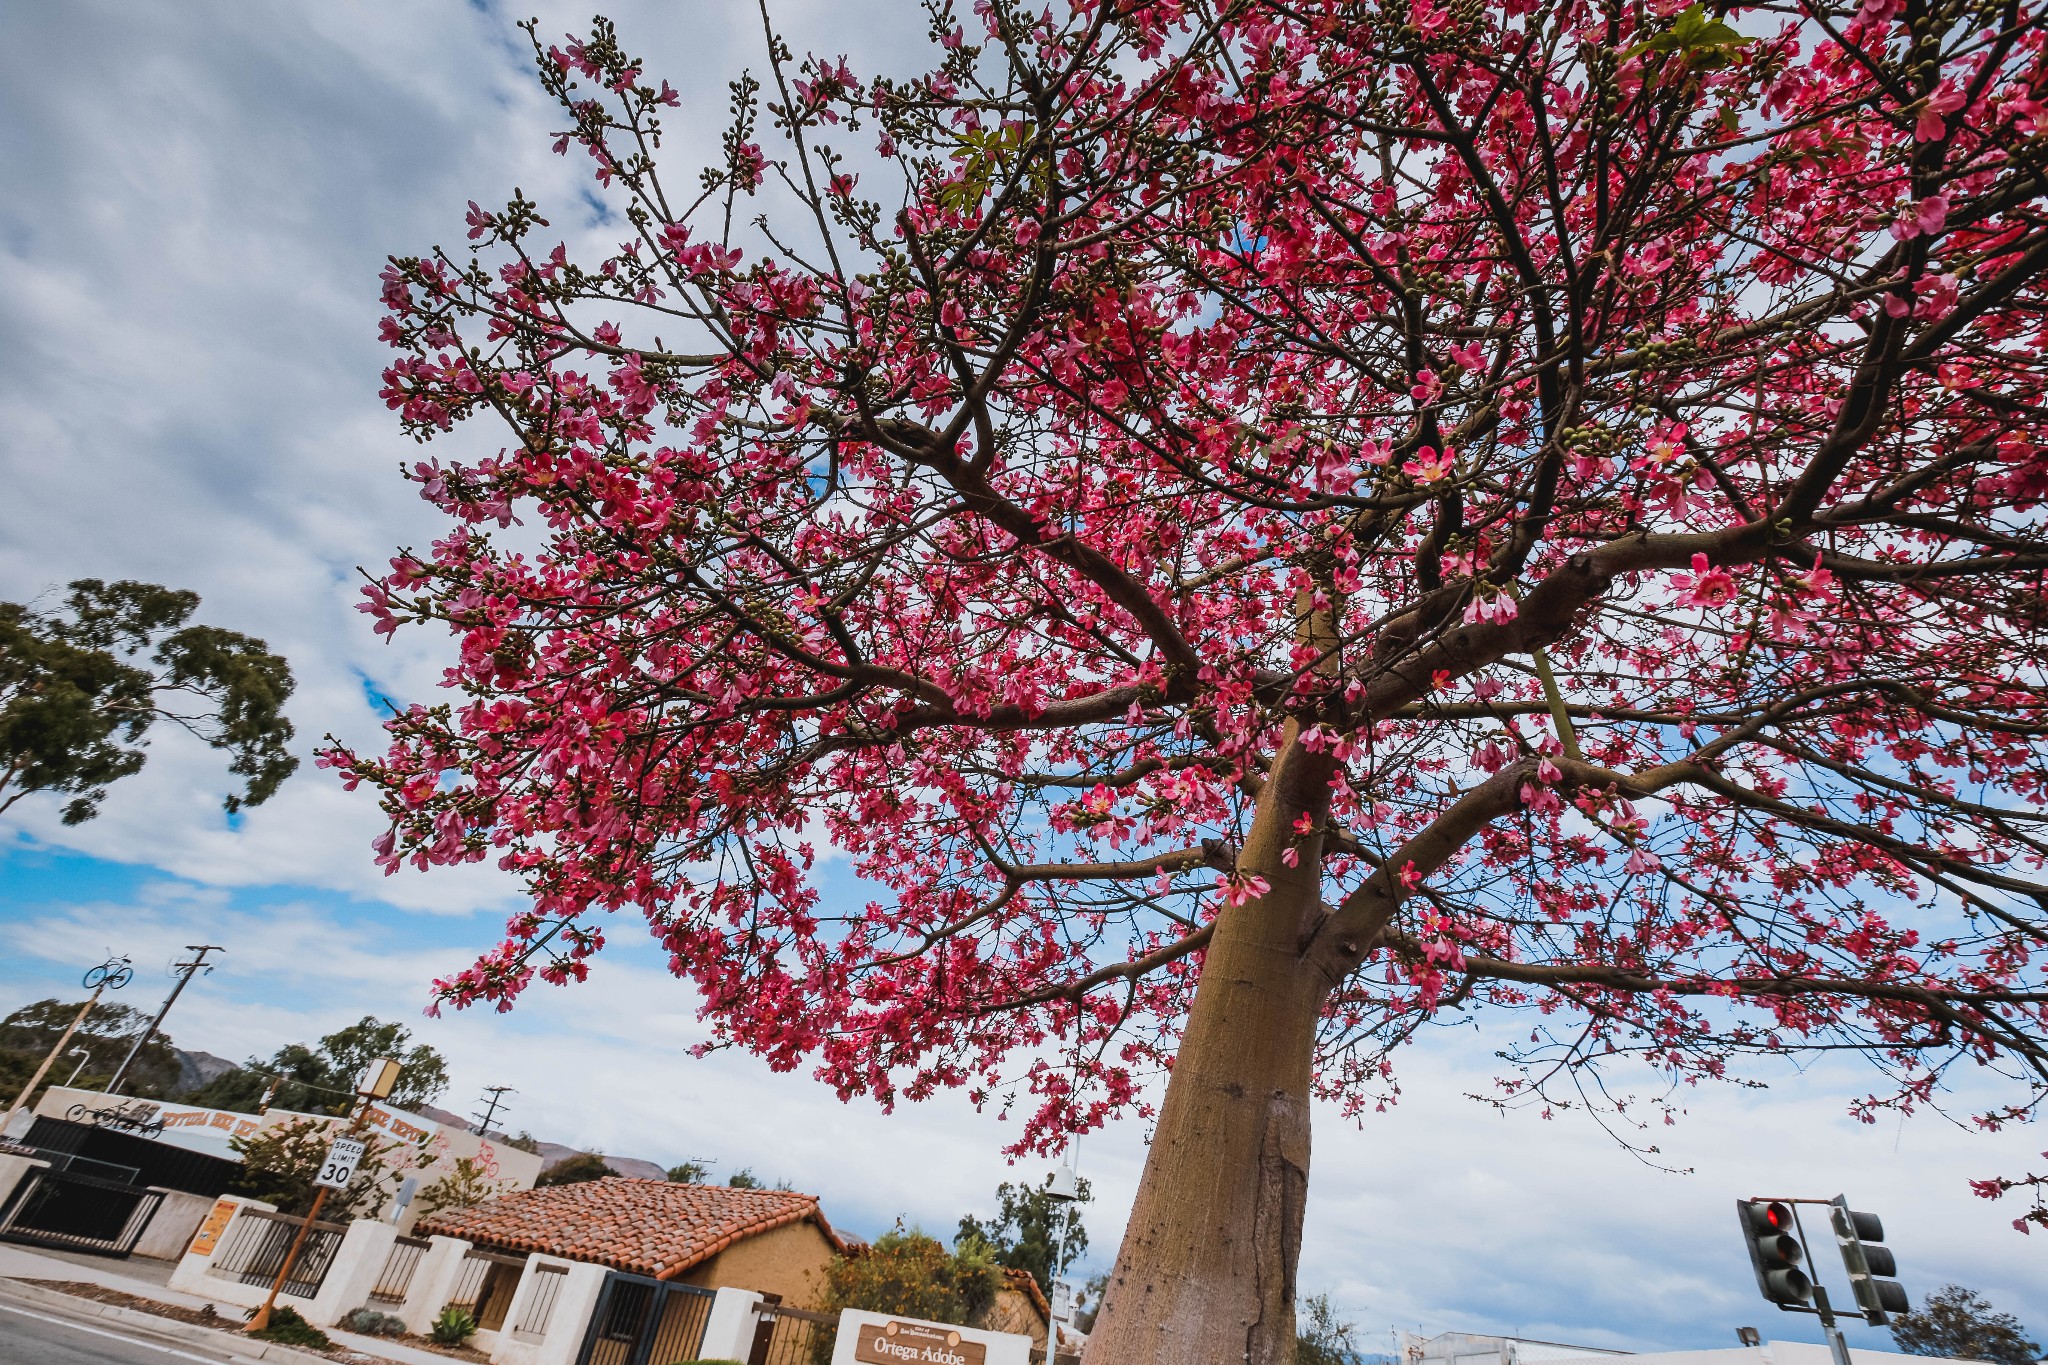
(339, 1166)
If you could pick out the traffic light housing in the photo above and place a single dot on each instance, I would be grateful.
(1860, 1237)
(1775, 1251)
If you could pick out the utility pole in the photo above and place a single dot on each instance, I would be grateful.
(377, 1083)
(185, 972)
(112, 974)
(495, 1096)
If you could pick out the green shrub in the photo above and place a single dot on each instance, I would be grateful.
(287, 1328)
(453, 1327)
(371, 1323)
(911, 1274)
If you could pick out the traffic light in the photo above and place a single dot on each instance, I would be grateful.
(1859, 1235)
(1774, 1251)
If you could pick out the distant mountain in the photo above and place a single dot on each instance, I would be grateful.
(197, 1068)
(553, 1152)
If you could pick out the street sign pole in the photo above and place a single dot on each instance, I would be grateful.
(376, 1084)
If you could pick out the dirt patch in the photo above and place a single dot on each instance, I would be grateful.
(197, 1317)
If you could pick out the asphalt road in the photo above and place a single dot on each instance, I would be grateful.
(28, 1337)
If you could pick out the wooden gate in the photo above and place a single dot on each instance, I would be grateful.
(643, 1321)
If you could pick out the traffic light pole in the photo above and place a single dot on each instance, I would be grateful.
(1837, 1343)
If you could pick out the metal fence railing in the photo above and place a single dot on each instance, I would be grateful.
(394, 1281)
(539, 1309)
(485, 1284)
(643, 1319)
(256, 1247)
(85, 1165)
(793, 1336)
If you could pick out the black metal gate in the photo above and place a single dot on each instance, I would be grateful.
(78, 1212)
(642, 1321)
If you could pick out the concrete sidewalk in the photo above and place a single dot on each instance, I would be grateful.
(145, 1279)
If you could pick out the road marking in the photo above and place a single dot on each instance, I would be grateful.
(102, 1332)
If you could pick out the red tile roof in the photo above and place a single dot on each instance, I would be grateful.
(1026, 1283)
(648, 1227)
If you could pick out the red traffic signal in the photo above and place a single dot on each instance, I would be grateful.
(1771, 1233)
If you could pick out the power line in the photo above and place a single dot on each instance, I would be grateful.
(496, 1095)
(186, 971)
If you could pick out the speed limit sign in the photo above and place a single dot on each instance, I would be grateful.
(338, 1167)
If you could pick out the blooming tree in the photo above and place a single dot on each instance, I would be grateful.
(1251, 526)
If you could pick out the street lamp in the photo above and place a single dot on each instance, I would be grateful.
(1063, 1187)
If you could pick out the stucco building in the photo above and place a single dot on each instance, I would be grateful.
(773, 1241)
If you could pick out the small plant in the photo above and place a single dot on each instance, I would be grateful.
(371, 1323)
(453, 1327)
(289, 1329)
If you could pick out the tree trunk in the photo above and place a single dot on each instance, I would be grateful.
(1205, 1275)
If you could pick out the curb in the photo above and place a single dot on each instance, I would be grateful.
(164, 1330)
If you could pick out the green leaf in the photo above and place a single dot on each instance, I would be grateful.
(1692, 33)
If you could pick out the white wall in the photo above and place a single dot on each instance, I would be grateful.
(172, 1225)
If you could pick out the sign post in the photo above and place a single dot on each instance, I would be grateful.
(337, 1169)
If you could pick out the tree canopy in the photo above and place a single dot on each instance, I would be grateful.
(572, 1170)
(1958, 1323)
(1031, 1231)
(28, 1034)
(321, 1079)
(1256, 529)
(80, 689)
(281, 1163)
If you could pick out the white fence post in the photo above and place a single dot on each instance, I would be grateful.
(729, 1332)
(568, 1321)
(352, 1273)
(433, 1282)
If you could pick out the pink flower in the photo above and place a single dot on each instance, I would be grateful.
(1429, 465)
(1499, 607)
(1705, 586)
(1924, 218)
(1932, 125)
(1239, 887)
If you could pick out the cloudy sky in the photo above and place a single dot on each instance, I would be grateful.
(198, 199)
